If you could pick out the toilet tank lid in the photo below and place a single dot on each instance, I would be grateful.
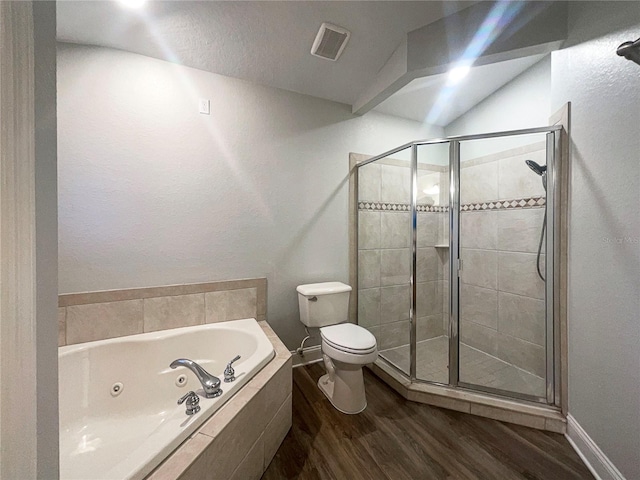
(324, 288)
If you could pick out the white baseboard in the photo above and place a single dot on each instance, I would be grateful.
(594, 458)
(311, 355)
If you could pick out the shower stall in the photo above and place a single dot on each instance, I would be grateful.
(456, 261)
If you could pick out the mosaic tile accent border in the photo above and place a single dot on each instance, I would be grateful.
(518, 203)
(432, 208)
(398, 207)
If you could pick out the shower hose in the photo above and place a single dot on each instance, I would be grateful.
(544, 227)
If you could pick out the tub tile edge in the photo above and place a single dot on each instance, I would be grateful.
(182, 458)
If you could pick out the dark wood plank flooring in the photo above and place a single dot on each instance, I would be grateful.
(394, 439)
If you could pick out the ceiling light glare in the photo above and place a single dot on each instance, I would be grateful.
(456, 74)
(132, 3)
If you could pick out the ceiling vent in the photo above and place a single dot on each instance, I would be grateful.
(330, 42)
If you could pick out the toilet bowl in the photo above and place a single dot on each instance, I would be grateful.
(346, 347)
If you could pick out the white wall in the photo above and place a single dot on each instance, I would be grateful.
(522, 103)
(153, 193)
(604, 240)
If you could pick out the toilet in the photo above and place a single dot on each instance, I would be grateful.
(346, 347)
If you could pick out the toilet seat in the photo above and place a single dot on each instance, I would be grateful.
(349, 338)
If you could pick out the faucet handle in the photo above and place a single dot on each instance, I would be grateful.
(229, 372)
(188, 396)
(192, 400)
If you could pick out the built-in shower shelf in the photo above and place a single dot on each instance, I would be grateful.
(442, 245)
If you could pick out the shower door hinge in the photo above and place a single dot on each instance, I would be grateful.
(459, 265)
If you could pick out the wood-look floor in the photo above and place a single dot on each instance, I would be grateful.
(394, 439)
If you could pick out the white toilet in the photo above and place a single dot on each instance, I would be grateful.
(346, 347)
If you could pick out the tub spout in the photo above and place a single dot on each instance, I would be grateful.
(210, 383)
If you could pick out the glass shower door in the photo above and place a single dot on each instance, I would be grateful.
(502, 302)
(432, 263)
(385, 254)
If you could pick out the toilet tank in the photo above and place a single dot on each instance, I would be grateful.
(323, 304)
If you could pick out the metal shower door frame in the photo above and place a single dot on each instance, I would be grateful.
(551, 148)
(413, 339)
(551, 347)
(454, 263)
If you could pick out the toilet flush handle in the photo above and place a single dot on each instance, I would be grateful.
(313, 299)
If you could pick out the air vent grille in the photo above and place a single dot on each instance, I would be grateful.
(330, 42)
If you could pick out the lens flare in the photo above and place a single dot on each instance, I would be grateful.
(457, 74)
(497, 20)
(134, 4)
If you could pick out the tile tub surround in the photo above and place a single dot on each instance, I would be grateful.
(239, 441)
(84, 317)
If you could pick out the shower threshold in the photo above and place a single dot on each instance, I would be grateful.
(519, 412)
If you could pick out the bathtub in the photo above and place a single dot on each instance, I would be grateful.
(119, 416)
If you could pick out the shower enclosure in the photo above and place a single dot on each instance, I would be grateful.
(455, 237)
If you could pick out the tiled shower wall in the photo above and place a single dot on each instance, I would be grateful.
(502, 306)
(85, 317)
(384, 255)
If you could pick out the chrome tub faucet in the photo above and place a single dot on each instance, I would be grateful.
(210, 383)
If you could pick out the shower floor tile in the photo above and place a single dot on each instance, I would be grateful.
(476, 367)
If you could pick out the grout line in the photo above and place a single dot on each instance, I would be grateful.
(66, 328)
(204, 309)
(144, 323)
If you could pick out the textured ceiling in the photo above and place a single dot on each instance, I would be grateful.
(266, 42)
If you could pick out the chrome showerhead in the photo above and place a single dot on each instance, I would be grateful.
(540, 170)
(630, 51)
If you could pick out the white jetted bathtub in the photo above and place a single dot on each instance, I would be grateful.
(119, 416)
